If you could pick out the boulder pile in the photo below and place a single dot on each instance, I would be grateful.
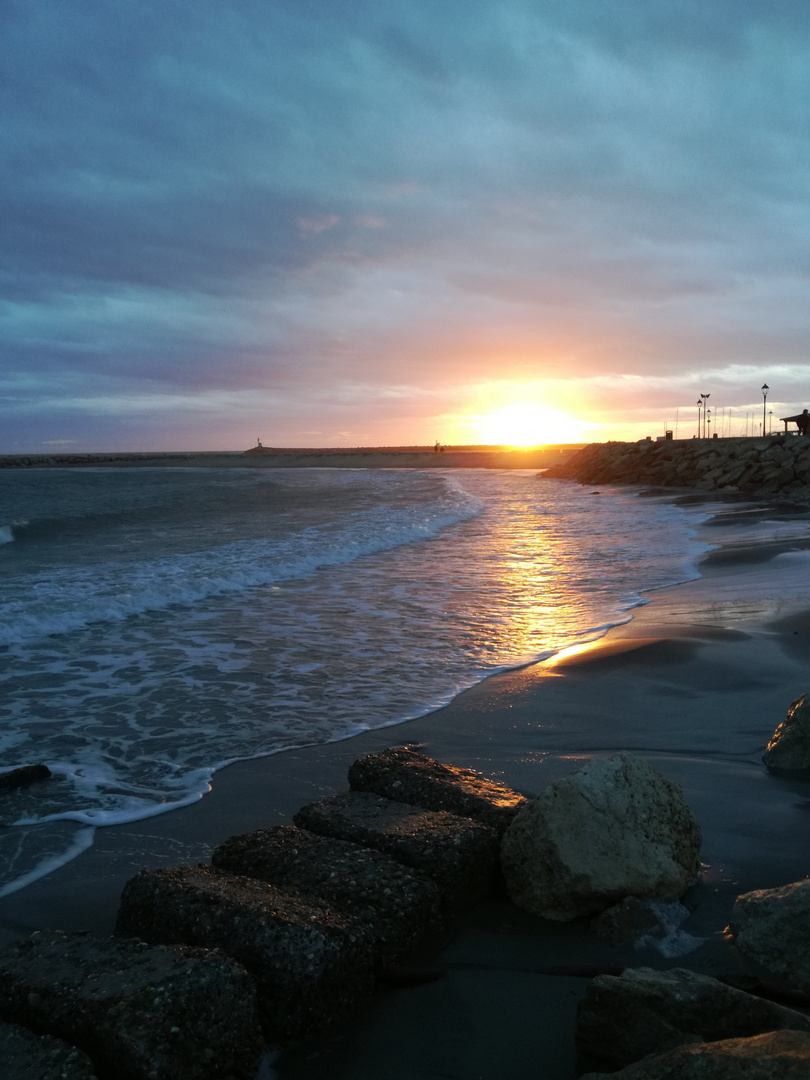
(283, 936)
(774, 465)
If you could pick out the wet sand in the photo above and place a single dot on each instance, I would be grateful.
(695, 684)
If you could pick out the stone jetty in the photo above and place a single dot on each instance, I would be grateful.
(775, 465)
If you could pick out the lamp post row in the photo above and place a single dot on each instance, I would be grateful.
(704, 413)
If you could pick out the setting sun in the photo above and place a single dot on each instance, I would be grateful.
(526, 424)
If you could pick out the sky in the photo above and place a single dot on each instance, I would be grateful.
(354, 223)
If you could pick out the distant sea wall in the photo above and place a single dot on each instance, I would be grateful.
(779, 464)
(277, 458)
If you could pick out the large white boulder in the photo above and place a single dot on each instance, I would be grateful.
(772, 926)
(789, 748)
(614, 828)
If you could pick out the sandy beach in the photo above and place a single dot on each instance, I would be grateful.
(695, 684)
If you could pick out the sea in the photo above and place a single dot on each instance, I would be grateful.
(157, 624)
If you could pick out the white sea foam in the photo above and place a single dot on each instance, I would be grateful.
(270, 613)
(82, 841)
(668, 938)
(73, 598)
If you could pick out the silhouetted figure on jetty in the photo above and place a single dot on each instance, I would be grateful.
(801, 420)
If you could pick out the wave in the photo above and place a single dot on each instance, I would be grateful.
(75, 598)
(6, 534)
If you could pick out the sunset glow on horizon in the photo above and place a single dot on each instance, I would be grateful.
(337, 225)
(527, 424)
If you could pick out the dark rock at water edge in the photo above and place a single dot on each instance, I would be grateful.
(623, 1019)
(24, 1055)
(311, 965)
(627, 921)
(394, 908)
(139, 1012)
(772, 927)
(788, 751)
(404, 774)
(460, 854)
(23, 776)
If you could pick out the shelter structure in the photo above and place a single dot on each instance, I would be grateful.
(801, 420)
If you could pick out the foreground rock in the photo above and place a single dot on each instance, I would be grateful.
(310, 966)
(772, 927)
(459, 854)
(623, 1019)
(27, 1056)
(408, 776)
(394, 907)
(779, 1055)
(789, 748)
(23, 776)
(613, 829)
(140, 1013)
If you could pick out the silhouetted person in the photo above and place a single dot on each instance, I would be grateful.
(803, 423)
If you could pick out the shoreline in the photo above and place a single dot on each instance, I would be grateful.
(701, 657)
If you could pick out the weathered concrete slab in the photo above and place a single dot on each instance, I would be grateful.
(460, 854)
(25, 1055)
(394, 906)
(140, 1013)
(404, 774)
(310, 965)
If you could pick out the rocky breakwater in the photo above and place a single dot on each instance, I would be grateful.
(769, 466)
(283, 936)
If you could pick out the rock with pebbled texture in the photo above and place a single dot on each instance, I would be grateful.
(393, 906)
(405, 774)
(459, 854)
(310, 965)
(139, 1012)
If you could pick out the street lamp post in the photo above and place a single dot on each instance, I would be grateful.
(705, 398)
(699, 405)
(765, 389)
(709, 423)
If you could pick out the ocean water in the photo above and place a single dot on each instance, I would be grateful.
(157, 624)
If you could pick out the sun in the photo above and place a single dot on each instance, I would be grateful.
(526, 424)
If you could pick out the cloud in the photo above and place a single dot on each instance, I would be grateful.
(302, 198)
